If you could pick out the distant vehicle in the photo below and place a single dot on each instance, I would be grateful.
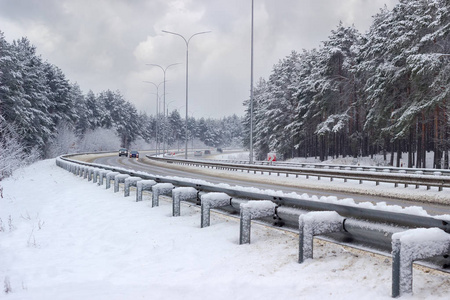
(198, 153)
(134, 154)
(207, 152)
(219, 150)
(123, 152)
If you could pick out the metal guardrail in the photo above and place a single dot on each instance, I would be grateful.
(355, 212)
(376, 175)
(369, 227)
(426, 171)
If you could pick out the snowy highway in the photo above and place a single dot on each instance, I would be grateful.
(273, 183)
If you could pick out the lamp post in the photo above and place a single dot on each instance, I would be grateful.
(187, 77)
(168, 107)
(251, 94)
(157, 110)
(164, 102)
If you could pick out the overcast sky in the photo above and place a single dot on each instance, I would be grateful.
(107, 44)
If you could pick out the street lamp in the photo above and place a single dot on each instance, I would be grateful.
(157, 110)
(187, 77)
(164, 103)
(168, 107)
(251, 94)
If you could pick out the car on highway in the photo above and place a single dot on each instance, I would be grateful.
(123, 152)
(198, 153)
(134, 153)
(207, 152)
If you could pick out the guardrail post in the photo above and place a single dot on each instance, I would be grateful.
(130, 181)
(252, 210)
(91, 173)
(315, 223)
(118, 179)
(85, 171)
(102, 176)
(212, 200)
(143, 185)
(411, 245)
(109, 176)
(161, 189)
(73, 168)
(96, 175)
(181, 194)
(80, 170)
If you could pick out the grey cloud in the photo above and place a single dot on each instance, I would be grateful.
(105, 44)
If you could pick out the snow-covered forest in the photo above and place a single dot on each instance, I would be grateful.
(385, 91)
(43, 114)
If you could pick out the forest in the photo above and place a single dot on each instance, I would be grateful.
(43, 115)
(382, 92)
(385, 91)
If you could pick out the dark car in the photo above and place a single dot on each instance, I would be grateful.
(207, 152)
(219, 150)
(123, 152)
(134, 154)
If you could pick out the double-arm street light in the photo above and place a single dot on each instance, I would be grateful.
(157, 110)
(187, 77)
(164, 101)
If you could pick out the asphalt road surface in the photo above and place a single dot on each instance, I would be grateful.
(260, 182)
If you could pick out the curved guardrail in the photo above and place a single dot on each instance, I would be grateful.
(354, 224)
(377, 175)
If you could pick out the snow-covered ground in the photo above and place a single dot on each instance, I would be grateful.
(63, 237)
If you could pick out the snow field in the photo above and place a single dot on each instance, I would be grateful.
(72, 239)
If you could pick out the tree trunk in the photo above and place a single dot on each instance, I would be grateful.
(436, 144)
(410, 148)
(399, 154)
